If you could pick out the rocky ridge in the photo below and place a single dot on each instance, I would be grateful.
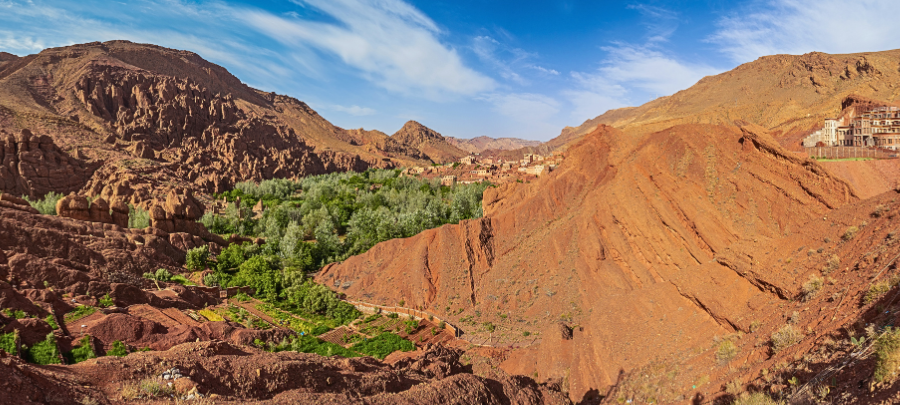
(431, 143)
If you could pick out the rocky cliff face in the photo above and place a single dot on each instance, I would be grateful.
(34, 165)
(119, 119)
(646, 241)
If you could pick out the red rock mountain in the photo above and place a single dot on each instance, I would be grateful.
(483, 143)
(432, 144)
(643, 241)
(786, 94)
(121, 120)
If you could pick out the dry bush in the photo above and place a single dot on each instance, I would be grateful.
(146, 388)
(812, 287)
(887, 354)
(850, 233)
(833, 263)
(735, 387)
(880, 288)
(880, 210)
(726, 351)
(756, 398)
(785, 337)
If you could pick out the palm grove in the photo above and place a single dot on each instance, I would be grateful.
(317, 220)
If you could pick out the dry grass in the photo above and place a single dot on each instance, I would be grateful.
(887, 354)
(785, 337)
(726, 351)
(850, 233)
(756, 398)
(880, 288)
(146, 388)
(833, 263)
(812, 287)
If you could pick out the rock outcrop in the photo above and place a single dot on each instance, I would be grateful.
(139, 116)
(33, 166)
(431, 143)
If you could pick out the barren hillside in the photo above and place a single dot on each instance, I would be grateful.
(786, 94)
(642, 241)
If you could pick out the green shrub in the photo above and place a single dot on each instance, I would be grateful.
(51, 320)
(383, 345)
(79, 312)
(180, 279)
(105, 301)
(785, 337)
(81, 352)
(43, 352)
(311, 344)
(526, 333)
(118, 349)
(47, 205)
(887, 354)
(15, 313)
(241, 297)
(197, 258)
(8, 342)
(138, 218)
(160, 275)
(211, 280)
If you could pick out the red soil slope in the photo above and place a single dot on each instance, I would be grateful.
(642, 241)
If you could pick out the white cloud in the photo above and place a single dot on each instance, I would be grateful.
(661, 23)
(390, 42)
(10, 42)
(798, 26)
(630, 74)
(530, 110)
(544, 70)
(354, 110)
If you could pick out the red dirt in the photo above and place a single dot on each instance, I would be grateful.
(652, 232)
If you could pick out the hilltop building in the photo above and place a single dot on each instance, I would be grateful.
(874, 127)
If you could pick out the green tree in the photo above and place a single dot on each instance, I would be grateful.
(197, 258)
(160, 275)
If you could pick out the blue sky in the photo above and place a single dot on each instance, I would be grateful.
(463, 67)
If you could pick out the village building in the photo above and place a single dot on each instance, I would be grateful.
(875, 126)
(468, 160)
(449, 180)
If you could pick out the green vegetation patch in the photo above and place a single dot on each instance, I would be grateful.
(118, 349)
(383, 345)
(880, 288)
(43, 352)
(84, 350)
(310, 344)
(15, 313)
(79, 312)
(9, 341)
(305, 219)
(51, 320)
(105, 301)
(46, 205)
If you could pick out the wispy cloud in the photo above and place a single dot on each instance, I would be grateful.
(354, 110)
(801, 26)
(527, 109)
(390, 42)
(660, 22)
(630, 75)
